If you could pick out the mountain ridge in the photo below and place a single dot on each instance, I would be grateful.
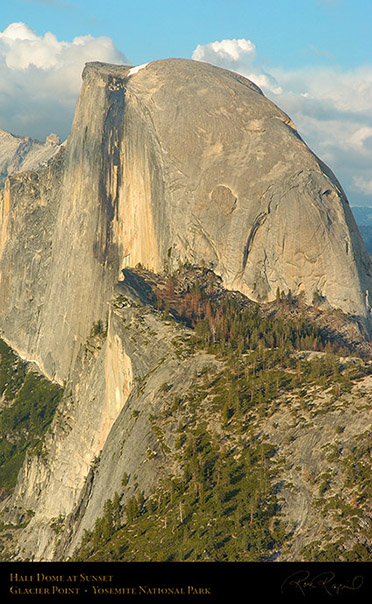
(19, 154)
(158, 169)
(178, 165)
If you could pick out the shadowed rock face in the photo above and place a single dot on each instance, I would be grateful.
(239, 188)
(180, 161)
(177, 161)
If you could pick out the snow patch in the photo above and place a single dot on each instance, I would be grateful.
(136, 69)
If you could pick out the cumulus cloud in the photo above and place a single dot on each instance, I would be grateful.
(40, 78)
(227, 50)
(331, 107)
(237, 55)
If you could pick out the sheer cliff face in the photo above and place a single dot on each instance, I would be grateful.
(239, 189)
(177, 161)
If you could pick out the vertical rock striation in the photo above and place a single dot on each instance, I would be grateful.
(178, 161)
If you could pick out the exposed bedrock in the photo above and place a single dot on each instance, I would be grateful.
(176, 162)
(180, 161)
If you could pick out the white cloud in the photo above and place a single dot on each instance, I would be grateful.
(331, 107)
(364, 185)
(237, 55)
(18, 31)
(226, 50)
(40, 78)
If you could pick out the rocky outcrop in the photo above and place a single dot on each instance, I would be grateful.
(238, 189)
(176, 162)
(19, 154)
(29, 207)
(121, 381)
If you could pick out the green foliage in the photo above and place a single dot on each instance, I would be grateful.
(221, 508)
(357, 468)
(31, 403)
(227, 323)
(337, 551)
(222, 505)
(57, 524)
(12, 371)
(99, 328)
(125, 479)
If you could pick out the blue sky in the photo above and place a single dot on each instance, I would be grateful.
(313, 58)
(289, 33)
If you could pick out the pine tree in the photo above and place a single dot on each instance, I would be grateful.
(116, 511)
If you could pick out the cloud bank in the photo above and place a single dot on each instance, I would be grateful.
(237, 55)
(40, 78)
(331, 107)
